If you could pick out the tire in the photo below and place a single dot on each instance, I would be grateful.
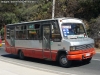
(63, 61)
(87, 60)
(21, 55)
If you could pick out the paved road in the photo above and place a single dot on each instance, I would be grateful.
(77, 68)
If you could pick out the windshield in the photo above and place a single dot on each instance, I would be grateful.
(72, 29)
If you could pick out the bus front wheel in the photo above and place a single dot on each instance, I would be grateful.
(87, 60)
(63, 61)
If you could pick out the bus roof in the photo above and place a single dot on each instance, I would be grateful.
(44, 20)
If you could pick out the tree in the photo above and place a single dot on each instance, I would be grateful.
(95, 28)
(89, 9)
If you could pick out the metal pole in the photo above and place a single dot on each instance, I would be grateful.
(53, 9)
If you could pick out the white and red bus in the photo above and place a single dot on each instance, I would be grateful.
(59, 39)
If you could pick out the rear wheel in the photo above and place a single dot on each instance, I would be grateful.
(21, 55)
(63, 61)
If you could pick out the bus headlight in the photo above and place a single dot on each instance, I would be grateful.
(72, 48)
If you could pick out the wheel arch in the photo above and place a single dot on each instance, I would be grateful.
(60, 52)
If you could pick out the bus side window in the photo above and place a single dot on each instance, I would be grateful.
(56, 36)
(21, 32)
(33, 31)
(8, 33)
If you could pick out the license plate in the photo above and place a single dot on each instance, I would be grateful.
(87, 54)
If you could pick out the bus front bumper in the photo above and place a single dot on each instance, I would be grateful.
(81, 56)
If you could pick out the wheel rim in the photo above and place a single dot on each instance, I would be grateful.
(63, 60)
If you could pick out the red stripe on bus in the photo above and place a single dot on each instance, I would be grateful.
(33, 52)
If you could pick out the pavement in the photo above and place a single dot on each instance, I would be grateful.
(11, 69)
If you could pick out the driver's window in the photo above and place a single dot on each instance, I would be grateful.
(56, 36)
(79, 29)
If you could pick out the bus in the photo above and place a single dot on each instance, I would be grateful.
(59, 39)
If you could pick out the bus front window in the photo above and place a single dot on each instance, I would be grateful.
(73, 30)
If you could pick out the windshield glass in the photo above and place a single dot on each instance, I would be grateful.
(72, 29)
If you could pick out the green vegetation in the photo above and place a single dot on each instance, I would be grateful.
(42, 9)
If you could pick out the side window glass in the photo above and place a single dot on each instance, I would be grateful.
(8, 32)
(21, 32)
(33, 31)
(56, 36)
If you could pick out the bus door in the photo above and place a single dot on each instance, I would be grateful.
(12, 39)
(46, 32)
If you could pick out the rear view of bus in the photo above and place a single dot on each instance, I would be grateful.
(75, 41)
